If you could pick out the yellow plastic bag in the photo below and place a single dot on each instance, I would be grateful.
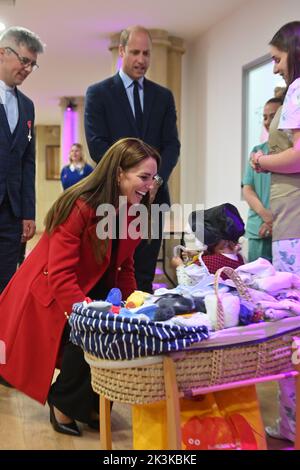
(227, 420)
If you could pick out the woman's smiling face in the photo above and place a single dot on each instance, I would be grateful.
(136, 182)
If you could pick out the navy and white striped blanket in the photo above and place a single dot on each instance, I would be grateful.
(108, 336)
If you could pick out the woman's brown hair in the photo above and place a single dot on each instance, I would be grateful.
(287, 39)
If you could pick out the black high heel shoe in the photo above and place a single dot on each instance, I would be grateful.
(70, 428)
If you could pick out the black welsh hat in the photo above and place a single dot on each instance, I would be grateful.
(223, 222)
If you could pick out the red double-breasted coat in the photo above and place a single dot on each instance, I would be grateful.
(60, 271)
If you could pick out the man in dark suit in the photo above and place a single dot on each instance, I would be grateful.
(129, 105)
(19, 48)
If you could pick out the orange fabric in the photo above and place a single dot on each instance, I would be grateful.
(227, 420)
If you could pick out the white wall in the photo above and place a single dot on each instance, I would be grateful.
(212, 99)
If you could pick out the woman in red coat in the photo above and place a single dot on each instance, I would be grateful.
(73, 259)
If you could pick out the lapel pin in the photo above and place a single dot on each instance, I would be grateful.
(29, 130)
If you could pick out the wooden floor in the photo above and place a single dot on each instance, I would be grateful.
(24, 423)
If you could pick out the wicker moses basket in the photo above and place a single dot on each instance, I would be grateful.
(204, 367)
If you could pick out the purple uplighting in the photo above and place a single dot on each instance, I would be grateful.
(119, 63)
(70, 132)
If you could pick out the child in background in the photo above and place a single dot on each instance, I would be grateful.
(218, 229)
(256, 191)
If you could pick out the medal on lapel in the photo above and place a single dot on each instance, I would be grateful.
(29, 130)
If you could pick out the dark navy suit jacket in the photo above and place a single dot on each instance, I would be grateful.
(17, 160)
(109, 117)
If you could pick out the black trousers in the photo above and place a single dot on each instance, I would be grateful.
(72, 392)
(10, 242)
(22, 253)
(145, 258)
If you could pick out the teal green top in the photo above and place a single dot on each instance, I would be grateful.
(260, 182)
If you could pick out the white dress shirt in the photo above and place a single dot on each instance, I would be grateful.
(10, 102)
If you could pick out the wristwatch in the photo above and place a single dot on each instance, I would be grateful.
(158, 179)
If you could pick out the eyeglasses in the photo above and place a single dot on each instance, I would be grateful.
(25, 61)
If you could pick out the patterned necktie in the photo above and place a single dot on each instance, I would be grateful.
(137, 107)
(11, 109)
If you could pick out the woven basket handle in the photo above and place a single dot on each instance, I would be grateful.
(240, 286)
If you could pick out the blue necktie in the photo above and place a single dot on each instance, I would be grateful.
(11, 108)
(137, 108)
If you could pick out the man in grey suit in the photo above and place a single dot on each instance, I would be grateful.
(19, 49)
(129, 105)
